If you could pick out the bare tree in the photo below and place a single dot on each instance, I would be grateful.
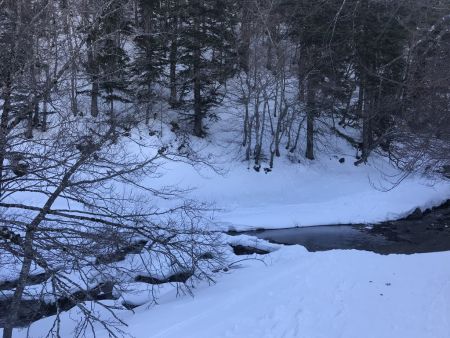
(264, 87)
(78, 199)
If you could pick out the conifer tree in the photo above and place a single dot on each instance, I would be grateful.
(151, 50)
(207, 53)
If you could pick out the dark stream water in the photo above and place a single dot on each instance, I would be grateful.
(427, 232)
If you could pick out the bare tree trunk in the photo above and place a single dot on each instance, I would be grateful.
(46, 101)
(34, 78)
(367, 127)
(112, 118)
(73, 75)
(94, 96)
(198, 113)
(173, 65)
(245, 36)
(310, 135)
(246, 122)
(263, 125)
(93, 69)
(269, 63)
(28, 243)
(29, 116)
(248, 151)
(257, 149)
(297, 136)
(365, 112)
(198, 106)
(4, 126)
(310, 115)
(21, 283)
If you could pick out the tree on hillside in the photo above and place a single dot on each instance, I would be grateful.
(380, 40)
(206, 54)
(151, 53)
(422, 133)
(319, 32)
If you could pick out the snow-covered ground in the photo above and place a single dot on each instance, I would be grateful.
(291, 292)
(319, 192)
(300, 294)
(294, 293)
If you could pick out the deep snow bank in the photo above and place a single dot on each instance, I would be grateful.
(298, 192)
(294, 293)
(318, 193)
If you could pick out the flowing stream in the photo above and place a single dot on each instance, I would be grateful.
(419, 233)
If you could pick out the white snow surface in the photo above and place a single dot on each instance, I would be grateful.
(326, 193)
(294, 293)
(291, 292)
(320, 192)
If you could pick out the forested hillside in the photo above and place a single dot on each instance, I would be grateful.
(290, 66)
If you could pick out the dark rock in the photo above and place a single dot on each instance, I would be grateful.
(341, 160)
(18, 164)
(130, 306)
(174, 126)
(34, 309)
(247, 250)
(180, 277)
(120, 255)
(233, 232)
(206, 256)
(162, 150)
(415, 215)
(446, 171)
(31, 280)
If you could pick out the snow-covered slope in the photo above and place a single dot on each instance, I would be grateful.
(299, 294)
(318, 192)
(301, 195)
(293, 293)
